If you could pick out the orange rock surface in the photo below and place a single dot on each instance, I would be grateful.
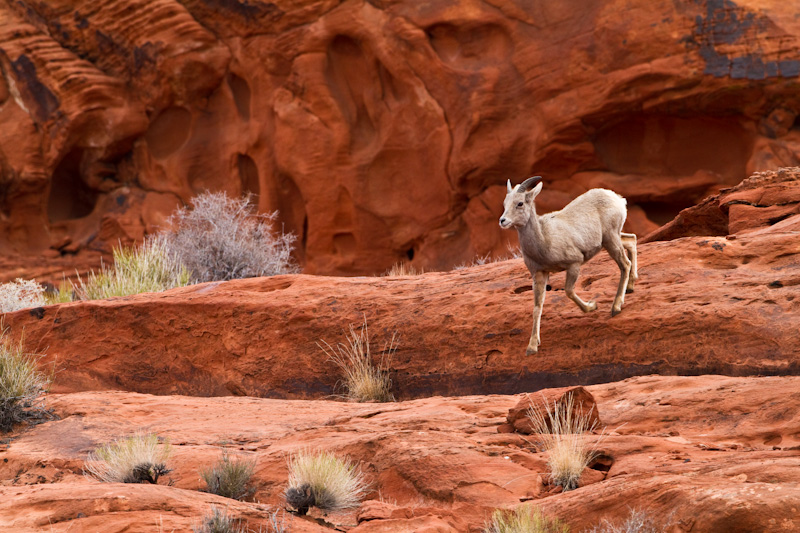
(712, 453)
(382, 130)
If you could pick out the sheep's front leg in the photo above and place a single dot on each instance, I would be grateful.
(539, 287)
(569, 287)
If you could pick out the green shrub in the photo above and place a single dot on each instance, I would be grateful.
(562, 434)
(140, 458)
(149, 268)
(21, 383)
(333, 483)
(364, 381)
(230, 477)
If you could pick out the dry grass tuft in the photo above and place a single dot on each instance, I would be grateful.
(638, 521)
(563, 435)
(334, 483)
(21, 294)
(140, 458)
(364, 380)
(21, 384)
(219, 521)
(524, 519)
(148, 268)
(230, 478)
(403, 269)
(223, 238)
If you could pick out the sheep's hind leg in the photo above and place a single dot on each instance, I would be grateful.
(629, 243)
(539, 286)
(569, 287)
(617, 252)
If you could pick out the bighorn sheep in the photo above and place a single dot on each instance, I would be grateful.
(566, 239)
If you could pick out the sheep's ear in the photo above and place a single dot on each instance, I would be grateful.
(529, 183)
(508, 186)
(530, 195)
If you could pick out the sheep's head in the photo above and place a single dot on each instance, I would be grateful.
(519, 202)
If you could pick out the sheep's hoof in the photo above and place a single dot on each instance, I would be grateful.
(532, 350)
(615, 312)
(628, 290)
(591, 306)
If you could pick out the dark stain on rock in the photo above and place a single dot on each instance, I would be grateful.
(248, 9)
(38, 312)
(39, 99)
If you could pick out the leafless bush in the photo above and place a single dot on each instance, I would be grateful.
(20, 294)
(637, 521)
(222, 239)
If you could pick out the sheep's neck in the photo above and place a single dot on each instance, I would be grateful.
(532, 233)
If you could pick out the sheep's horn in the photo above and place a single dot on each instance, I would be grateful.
(529, 183)
(508, 186)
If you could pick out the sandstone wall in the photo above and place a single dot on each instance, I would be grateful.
(382, 130)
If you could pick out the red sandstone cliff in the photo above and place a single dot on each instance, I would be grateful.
(382, 130)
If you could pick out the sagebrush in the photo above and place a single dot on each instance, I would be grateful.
(564, 434)
(21, 383)
(364, 380)
(21, 294)
(230, 477)
(140, 458)
(526, 518)
(222, 238)
(151, 267)
(333, 483)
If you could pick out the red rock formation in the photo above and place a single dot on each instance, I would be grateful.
(583, 407)
(702, 305)
(382, 130)
(711, 453)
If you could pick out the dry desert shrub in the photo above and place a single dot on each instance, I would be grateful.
(403, 269)
(149, 268)
(526, 518)
(637, 521)
(64, 293)
(229, 477)
(21, 383)
(140, 458)
(219, 521)
(223, 238)
(364, 380)
(563, 434)
(20, 294)
(323, 480)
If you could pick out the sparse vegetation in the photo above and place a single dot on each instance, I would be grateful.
(563, 435)
(64, 293)
(21, 383)
(222, 239)
(20, 294)
(637, 521)
(364, 380)
(526, 518)
(230, 477)
(151, 267)
(141, 458)
(403, 269)
(219, 521)
(332, 483)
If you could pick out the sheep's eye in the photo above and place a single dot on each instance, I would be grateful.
(519, 204)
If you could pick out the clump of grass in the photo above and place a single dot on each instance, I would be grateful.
(403, 269)
(223, 238)
(562, 434)
(140, 458)
(526, 518)
(20, 294)
(230, 477)
(364, 381)
(151, 267)
(64, 293)
(219, 521)
(637, 521)
(331, 482)
(21, 383)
